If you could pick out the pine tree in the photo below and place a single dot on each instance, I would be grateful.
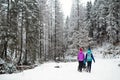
(58, 31)
(104, 22)
(113, 22)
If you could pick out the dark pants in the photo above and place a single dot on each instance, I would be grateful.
(89, 63)
(80, 66)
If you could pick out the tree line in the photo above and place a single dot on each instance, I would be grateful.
(31, 31)
(93, 25)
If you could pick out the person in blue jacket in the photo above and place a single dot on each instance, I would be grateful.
(89, 57)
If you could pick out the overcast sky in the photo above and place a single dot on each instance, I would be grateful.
(66, 5)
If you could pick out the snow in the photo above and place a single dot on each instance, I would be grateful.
(102, 69)
(107, 51)
(2, 61)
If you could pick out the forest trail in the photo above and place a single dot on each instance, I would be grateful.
(102, 69)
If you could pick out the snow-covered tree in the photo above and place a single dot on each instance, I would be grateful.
(104, 24)
(58, 35)
(113, 22)
(77, 36)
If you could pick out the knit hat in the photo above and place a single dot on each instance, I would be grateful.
(81, 49)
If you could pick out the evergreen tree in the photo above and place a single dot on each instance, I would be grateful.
(58, 31)
(113, 22)
(104, 22)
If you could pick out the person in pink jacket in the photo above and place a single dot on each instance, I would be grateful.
(80, 58)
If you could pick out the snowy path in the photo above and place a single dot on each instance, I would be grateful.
(103, 69)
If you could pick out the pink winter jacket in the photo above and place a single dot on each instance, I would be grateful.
(80, 56)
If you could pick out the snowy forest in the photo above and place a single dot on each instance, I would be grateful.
(33, 32)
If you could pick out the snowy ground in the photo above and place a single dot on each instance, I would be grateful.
(103, 69)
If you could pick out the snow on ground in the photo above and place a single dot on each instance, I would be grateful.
(102, 69)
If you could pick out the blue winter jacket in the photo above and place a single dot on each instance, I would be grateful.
(89, 56)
